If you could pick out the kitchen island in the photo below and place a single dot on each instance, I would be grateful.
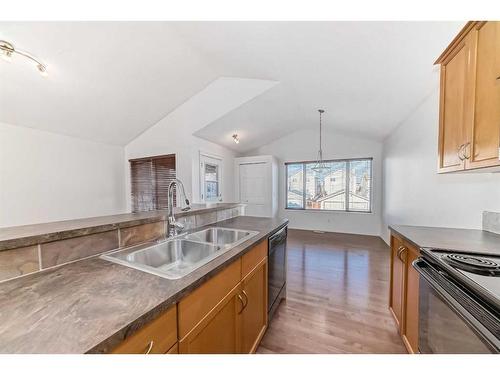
(93, 305)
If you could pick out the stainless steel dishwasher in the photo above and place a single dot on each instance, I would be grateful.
(276, 270)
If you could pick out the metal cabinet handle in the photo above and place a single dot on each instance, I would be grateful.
(246, 299)
(466, 156)
(401, 249)
(150, 347)
(242, 304)
(462, 158)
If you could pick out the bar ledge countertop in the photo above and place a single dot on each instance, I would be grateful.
(26, 235)
(91, 305)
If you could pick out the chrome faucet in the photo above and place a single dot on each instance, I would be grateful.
(174, 228)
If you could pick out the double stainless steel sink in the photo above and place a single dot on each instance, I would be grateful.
(181, 255)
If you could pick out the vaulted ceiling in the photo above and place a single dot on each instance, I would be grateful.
(110, 81)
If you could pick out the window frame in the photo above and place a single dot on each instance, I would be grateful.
(212, 159)
(304, 182)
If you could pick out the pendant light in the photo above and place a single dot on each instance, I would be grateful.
(320, 165)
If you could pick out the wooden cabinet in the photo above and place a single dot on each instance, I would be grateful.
(410, 333)
(484, 130)
(219, 331)
(397, 281)
(404, 295)
(452, 108)
(212, 320)
(254, 314)
(469, 117)
(157, 337)
(226, 314)
(174, 349)
(194, 307)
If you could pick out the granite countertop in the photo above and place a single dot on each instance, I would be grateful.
(91, 305)
(27, 235)
(466, 240)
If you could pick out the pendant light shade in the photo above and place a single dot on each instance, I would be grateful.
(320, 166)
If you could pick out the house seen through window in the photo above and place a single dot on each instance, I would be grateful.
(345, 185)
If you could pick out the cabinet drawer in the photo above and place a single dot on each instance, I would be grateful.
(156, 337)
(251, 259)
(194, 307)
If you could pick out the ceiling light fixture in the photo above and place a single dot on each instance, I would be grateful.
(8, 50)
(236, 139)
(320, 165)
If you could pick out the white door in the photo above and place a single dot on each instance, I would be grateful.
(253, 189)
(210, 178)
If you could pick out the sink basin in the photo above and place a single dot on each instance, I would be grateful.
(179, 256)
(171, 259)
(220, 236)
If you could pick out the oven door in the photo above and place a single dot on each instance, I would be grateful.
(277, 265)
(445, 326)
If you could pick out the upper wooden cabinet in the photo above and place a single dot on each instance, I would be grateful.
(469, 117)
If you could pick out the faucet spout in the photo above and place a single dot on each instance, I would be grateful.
(174, 227)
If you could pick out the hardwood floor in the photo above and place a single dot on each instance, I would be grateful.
(337, 297)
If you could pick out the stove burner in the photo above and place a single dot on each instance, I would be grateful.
(473, 264)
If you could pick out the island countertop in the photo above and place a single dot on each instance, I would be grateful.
(91, 305)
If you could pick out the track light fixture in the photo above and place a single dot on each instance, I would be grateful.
(7, 50)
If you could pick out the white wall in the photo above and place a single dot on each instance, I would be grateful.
(414, 194)
(186, 147)
(48, 177)
(173, 134)
(303, 145)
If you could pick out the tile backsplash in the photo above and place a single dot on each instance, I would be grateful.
(491, 221)
(22, 261)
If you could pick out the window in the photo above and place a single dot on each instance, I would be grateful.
(150, 178)
(344, 186)
(210, 170)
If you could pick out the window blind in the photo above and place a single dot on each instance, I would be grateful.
(150, 178)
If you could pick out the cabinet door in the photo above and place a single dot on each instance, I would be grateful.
(397, 282)
(453, 108)
(218, 332)
(484, 129)
(410, 336)
(254, 314)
